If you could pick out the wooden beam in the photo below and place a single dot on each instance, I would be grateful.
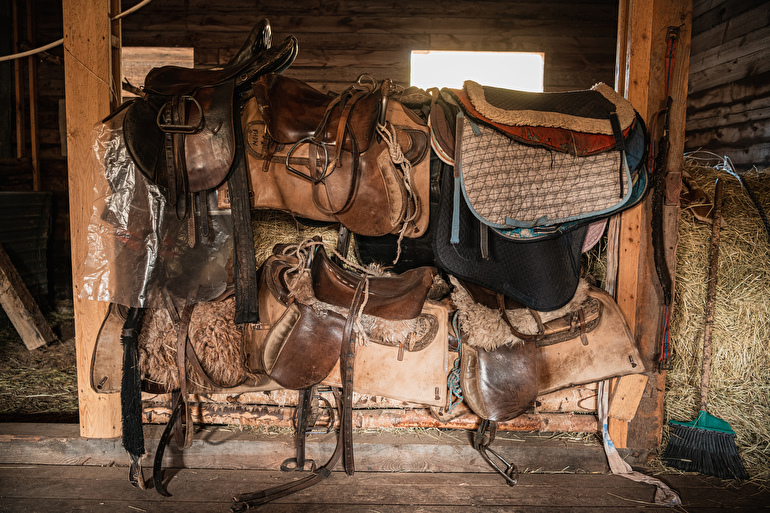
(89, 97)
(21, 308)
(641, 67)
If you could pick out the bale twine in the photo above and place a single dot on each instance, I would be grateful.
(740, 371)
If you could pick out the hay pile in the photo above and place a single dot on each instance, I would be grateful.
(272, 227)
(740, 372)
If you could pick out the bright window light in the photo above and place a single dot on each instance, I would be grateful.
(512, 70)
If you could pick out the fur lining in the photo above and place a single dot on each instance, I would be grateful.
(625, 111)
(485, 328)
(214, 336)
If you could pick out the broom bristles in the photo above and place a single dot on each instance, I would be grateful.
(708, 452)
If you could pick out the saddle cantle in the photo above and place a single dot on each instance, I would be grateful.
(390, 297)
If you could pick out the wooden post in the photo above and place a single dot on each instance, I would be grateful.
(640, 76)
(89, 98)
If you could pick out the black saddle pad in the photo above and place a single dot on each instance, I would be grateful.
(542, 274)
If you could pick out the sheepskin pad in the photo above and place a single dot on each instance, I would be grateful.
(484, 327)
(216, 338)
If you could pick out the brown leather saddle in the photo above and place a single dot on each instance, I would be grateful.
(182, 133)
(304, 345)
(333, 143)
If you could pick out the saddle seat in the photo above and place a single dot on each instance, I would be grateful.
(389, 297)
(256, 55)
(294, 110)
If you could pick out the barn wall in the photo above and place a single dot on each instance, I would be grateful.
(728, 109)
(341, 39)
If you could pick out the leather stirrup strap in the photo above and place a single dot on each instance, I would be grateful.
(244, 261)
(345, 434)
(347, 359)
(176, 408)
(246, 501)
(181, 323)
(301, 422)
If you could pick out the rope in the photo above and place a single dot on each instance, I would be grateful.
(61, 41)
(453, 380)
(398, 159)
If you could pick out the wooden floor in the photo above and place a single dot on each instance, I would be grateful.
(59, 488)
(50, 468)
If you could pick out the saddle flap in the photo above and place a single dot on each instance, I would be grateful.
(607, 350)
(414, 369)
(207, 151)
(293, 110)
(303, 346)
(390, 297)
(500, 384)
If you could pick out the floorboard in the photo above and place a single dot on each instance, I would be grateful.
(32, 488)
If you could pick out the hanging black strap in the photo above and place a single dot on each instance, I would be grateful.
(131, 395)
(244, 260)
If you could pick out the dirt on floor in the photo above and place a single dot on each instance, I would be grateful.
(43, 380)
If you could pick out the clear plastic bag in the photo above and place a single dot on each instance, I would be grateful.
(137, 246)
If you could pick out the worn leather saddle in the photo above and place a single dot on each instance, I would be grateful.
(182, 133)
(358, 157)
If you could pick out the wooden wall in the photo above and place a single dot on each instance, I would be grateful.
(45, 18)
(341, 39)
(728, 109)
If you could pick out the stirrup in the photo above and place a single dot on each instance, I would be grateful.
(481, 442)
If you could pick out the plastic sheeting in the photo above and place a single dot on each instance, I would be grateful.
(137, 245)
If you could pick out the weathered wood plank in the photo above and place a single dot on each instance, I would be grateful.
(74, 488)
(21, 308)
(402, 450)
(731, 29)
(740, 67)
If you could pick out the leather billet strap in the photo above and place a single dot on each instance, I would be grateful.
(177, 404)
(244, 260)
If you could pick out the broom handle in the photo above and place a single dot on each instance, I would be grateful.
(711, 296)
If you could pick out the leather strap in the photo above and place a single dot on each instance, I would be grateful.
(344, 447)
(244, 260)
(301, 422)
(482, 439)
(514, 331)
(177, 403)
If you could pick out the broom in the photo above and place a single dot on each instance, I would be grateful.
(707, 444)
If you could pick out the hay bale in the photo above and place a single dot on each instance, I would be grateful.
(740, 381)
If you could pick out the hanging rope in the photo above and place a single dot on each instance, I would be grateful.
(58, 42)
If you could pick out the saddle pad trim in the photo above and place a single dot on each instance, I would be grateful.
(530, 118)
(559, 139)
